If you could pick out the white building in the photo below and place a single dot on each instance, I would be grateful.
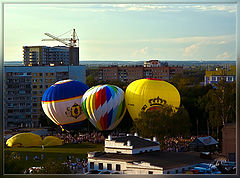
(137, 155)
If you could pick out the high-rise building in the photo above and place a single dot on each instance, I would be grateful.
(24, 88)
(50, 56)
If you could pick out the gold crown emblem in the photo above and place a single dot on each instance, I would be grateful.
(157, 101)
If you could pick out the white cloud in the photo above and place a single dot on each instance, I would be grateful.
(141, 51)
(225, 55)
(192, 49)
(218, 40)
(136, 7)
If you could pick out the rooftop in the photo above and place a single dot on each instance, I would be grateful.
(136, 142)
(166, 160)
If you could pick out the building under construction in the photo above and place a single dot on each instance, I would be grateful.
(50, 56)
(67, 55)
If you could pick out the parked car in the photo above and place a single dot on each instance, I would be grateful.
(205, 168)
(226, 167)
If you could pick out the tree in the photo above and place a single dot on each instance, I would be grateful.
(162, 122)
(117, 83)
(198, 116)
(221, 104)
(90, 81)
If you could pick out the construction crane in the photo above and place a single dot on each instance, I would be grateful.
(70, 42)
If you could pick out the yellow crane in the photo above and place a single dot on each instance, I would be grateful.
(70, 42)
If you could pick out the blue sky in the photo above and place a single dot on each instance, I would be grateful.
(126, 31)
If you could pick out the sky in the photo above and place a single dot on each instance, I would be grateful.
(125, 31)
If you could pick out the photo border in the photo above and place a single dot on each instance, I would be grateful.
(236, 2)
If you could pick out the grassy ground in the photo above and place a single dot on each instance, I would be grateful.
(17, 156)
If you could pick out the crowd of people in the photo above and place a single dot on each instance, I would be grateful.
(80, 137)
(94, 137)
(76, 165)
(176, 144)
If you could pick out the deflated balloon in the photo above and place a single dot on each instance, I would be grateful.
(62, 103)
(104, 106)
(24, 140)
(147, 94)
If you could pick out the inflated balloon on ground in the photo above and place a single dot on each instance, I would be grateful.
(24, 140)
(51, 141)
(62, 103)
(147, 94)
(104, 106)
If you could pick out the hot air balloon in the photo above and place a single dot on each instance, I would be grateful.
(147, 94)
(24, 140)
(104, 106)
(61, 102)
(51, 141)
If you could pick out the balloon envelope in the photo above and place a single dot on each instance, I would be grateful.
(104, 106)
(147, 94)
(51, 141)
(62, 103)
(24, 140)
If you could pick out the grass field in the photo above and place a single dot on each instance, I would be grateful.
(17, 156)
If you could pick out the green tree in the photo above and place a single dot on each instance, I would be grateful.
(162, 122)
(117, 83)
(221, 104)
(90, 81)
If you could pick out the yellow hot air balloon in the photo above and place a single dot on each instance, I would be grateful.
(24, 140)
(146, 94)
(51, 141)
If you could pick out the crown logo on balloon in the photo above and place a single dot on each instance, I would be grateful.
(157, 101)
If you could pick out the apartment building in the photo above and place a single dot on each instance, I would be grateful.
(214, 76)
(150, 69)
(50, 56)
(24, 88)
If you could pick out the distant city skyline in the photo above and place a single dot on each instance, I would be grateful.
(126, 31)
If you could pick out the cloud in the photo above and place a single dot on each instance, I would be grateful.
(225, 55)
(192, 49)
(141, 51)
(133, 7)
(230, 9)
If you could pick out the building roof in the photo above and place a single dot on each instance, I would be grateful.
(136, 142)
(208, 140)
(166, 160)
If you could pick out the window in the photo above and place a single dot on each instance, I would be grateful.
(118, 167)
(150, 172)
(100, 166)
(91, 165)
(109, 166)
(34, 86)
